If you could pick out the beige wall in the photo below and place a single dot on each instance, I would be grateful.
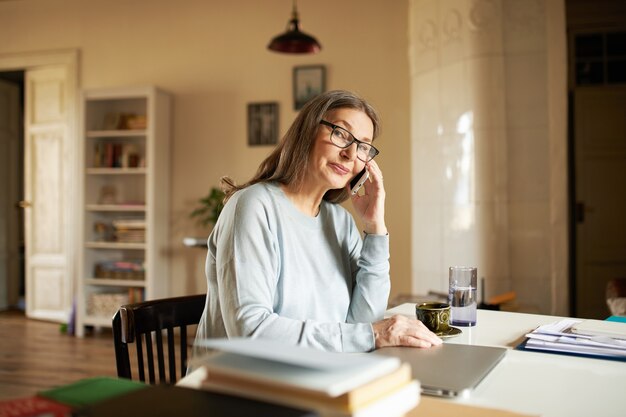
(211, 56)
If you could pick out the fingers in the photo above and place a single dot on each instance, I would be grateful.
(399, 330)
(374, 171)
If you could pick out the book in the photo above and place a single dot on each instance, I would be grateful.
(91, 390)
(293, 367)
(33, 407)
(350, 401)
(396, 402)
(168, 401)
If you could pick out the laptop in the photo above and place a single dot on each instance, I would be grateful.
(448, 370)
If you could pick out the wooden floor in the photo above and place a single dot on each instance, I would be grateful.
(35, 355)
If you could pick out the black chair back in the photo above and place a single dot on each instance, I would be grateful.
(136, 324)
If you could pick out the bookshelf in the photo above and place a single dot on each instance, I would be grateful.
(124, 201)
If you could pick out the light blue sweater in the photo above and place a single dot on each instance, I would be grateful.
(274, 272)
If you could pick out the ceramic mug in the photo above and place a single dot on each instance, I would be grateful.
(434, 315)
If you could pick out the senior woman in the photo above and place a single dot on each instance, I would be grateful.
(287, 262)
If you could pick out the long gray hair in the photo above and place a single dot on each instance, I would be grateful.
(288, 163)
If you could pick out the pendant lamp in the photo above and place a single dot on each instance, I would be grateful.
(293, 41)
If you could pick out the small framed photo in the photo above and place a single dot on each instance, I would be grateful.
(308, 81)
(262, 124)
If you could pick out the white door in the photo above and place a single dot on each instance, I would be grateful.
(9, 174)
(600, 160)
(47, 192)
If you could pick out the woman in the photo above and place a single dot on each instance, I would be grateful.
(287, 262)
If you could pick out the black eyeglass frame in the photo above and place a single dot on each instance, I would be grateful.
(354, 139)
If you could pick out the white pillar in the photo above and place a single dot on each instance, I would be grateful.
(481, 144)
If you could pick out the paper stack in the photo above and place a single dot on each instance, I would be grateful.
(594, 338)
(332, 384)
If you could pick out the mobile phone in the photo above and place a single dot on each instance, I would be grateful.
(357, 182)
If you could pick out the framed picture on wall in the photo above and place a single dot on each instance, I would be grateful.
(308, 81)
(262, 124)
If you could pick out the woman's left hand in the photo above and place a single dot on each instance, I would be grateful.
(371, 205)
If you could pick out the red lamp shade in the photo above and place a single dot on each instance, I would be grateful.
(293, 41)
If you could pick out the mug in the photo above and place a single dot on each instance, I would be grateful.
(434, 315)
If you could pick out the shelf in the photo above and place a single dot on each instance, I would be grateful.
(114, 245)
(116, 171)
(121, 169)
(115, 207)
(115, 133)
(115, 282)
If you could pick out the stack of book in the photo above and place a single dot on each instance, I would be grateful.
(331, 384)
(130, 230)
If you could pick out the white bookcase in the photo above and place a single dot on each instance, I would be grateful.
(124, 202)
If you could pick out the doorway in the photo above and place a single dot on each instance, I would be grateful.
(12, 250)
(43, 159)
(597, 164)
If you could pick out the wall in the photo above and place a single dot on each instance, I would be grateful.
(211, 56)
(488, 88)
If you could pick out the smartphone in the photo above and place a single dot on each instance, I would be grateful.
(357, 182)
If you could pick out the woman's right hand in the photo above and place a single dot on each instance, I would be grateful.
(399, 330)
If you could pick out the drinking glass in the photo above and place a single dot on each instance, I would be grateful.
(462, 295)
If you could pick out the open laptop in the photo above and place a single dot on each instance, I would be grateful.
(448, 370)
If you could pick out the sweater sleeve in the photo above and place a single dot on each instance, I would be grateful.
(371, 276)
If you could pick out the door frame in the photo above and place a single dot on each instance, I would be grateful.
(69, 58)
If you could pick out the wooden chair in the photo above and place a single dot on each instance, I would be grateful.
(136, 323)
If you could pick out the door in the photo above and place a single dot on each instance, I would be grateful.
(600, 169)
(9, 195)
(47, 193)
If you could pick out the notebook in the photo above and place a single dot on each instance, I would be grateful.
(448, 370)
(168, 401)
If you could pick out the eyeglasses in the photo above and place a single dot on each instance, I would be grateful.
(341, 138)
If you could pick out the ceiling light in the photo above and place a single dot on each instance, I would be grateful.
(293, 41)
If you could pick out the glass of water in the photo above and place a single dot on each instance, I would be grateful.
(462, 295)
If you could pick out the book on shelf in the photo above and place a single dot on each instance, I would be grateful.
(333, 384)
(136, 295)
(130, 230)
(116, 155)
(126, 224)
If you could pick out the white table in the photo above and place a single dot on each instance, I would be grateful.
(527, 382)
(539, 383)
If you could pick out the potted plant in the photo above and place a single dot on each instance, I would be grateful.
(209, 208)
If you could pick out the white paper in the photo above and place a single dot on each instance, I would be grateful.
(558, 337)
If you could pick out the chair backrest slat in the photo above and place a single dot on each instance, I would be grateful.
(171, 357)
(183, 350)
(160, 356)
(134, 323)
(140, 364)
(150, 356)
